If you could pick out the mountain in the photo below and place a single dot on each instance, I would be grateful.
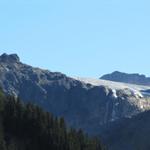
(83, 105)
(127, 78)
(128, 133)
(28, 127)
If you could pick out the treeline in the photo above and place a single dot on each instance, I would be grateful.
(28, 127)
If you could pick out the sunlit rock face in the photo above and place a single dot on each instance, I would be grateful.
(83, 104)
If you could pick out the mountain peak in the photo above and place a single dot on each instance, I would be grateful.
(127, 74)
(9, 58)
(116, 72)
(133, 78)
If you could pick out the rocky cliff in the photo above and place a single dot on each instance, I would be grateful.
(128, 133)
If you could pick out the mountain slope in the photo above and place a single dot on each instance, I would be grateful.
(83, 105)
(128, 134)
(127, 78)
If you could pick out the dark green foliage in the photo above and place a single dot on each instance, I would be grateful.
(28, 127)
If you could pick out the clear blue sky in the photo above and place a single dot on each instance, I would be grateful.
(78, 37)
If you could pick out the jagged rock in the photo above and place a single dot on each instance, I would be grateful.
(9, 58)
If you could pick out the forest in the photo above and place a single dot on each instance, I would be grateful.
(29, 127)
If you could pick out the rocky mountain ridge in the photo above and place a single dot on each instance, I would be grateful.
(127, 78)
(83, 105)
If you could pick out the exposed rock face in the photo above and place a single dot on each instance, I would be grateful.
(83, 105)
(128, 133)
(9, 58)
(127, 78)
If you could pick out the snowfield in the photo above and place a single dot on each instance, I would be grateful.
(136, 89)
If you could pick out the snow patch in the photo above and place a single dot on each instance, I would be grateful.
(7, 69)
(114, 93)
(134, 89)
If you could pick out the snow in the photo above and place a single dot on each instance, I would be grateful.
(114, 93)
(7, 69)
(135, 89)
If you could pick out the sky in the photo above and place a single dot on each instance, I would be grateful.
(86, 38)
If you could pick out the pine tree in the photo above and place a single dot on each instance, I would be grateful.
(28, 127)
